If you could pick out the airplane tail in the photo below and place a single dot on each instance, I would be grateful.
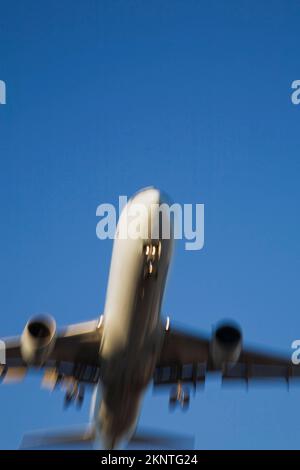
(86, 437)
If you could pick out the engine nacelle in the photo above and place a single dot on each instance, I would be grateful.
(38, 339)
(226, 345)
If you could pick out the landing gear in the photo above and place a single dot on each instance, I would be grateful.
(74, 394)
(179, 396)
(68, 399)
(80, 397)
(186, 401)
(152, 252)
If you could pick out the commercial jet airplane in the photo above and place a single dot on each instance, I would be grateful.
(131, 346)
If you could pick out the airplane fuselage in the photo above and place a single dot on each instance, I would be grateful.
(133, 330)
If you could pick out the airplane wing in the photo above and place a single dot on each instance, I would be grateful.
(74, 357)
(187, 358)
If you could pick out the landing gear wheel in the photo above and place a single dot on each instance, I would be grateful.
(80, 397)
(185, 401)
(173, 400)
(75, 394)
(179, 396)
(68, 399)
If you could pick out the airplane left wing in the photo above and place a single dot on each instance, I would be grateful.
(74, 357)
(187, 358)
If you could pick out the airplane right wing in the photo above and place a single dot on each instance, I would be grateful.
(187, 358)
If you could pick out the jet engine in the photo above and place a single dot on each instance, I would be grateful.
(38, 339)
(226, 345)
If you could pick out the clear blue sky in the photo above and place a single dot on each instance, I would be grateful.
(104, 98)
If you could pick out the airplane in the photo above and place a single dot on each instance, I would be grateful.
(131, 345)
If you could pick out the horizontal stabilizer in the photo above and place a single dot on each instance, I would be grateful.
(66, 437)
(144, 439)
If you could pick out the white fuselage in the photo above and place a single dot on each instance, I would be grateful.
(133, 331)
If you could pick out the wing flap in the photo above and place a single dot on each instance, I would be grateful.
(75, 357)
(186, 358)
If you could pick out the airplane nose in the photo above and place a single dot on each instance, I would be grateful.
(147, 196)
(157, 203)
(147, 215)
(151, 195)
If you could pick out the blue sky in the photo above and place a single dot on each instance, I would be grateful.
(104, 98)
